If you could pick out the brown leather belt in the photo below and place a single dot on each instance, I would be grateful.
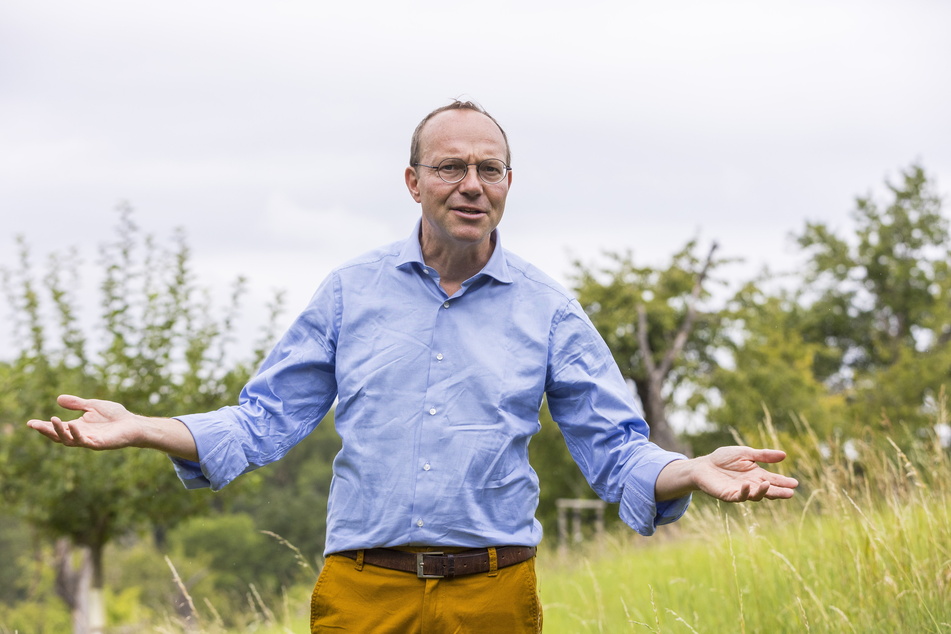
(437, 565)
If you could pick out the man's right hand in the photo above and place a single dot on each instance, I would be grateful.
(109, 425)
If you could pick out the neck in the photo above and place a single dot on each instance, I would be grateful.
(456, 263)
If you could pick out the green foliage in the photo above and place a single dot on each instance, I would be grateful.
(46, 616)
(862, 339)
(882, 302)
(886, 288)
(235, 549)
(611, 294)
(157, 347)
(28, 601)
(654, 321)
(16, 542)
(772, 368)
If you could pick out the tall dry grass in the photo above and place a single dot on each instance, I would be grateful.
(864, 547)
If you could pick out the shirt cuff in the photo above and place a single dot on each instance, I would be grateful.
(639, 507)
(221, 456)
(190, 473)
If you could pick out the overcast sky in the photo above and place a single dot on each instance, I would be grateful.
(276, 133)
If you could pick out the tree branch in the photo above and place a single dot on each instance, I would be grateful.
(642, 341)
(680, 340)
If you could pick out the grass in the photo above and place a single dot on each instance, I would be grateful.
(864, 547)
(732, 572)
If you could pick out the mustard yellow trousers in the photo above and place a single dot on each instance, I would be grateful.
(354, 597)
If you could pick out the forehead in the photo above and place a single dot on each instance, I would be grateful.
(463, 134)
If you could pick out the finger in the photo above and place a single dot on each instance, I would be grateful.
(767, 455)
(62, 430)
(779, 493)
(760, 491)
(45, 427)
(69, 401)
(78, 439)
(779, 480)
(744, 493)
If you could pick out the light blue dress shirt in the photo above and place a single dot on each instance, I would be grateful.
(437, 399)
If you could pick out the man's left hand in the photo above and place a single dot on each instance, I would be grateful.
(730, 474)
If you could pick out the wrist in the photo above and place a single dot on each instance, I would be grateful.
(167, 435)
(146, 434)
(676, 480)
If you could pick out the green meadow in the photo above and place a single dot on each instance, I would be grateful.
(865, 546)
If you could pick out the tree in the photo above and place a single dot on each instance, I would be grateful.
(162, 350)
(878, 301)
(771, 368)
(655, 324)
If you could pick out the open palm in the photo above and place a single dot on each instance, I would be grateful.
(102, 425)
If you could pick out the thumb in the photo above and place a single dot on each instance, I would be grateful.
(767, 455)
(69, 401)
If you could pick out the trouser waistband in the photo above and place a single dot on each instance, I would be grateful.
(437, 565)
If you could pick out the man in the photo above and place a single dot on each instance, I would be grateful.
(438, 351)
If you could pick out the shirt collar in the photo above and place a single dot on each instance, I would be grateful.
(496, 268)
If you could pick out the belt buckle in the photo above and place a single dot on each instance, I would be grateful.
(419, 567)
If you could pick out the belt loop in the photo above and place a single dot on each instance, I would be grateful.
(359, 562)
(493, 562)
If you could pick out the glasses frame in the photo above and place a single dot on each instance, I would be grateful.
(505, 171)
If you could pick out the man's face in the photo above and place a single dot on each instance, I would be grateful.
(463, 214)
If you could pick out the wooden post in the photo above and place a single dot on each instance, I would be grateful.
(578, 507)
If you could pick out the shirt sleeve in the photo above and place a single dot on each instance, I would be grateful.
(602, 425)
(282, 404)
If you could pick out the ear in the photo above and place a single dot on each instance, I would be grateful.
(412, 182)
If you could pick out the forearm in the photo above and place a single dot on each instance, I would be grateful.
(168, 435)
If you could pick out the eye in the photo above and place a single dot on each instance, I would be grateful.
(452, 170)
(492, 170)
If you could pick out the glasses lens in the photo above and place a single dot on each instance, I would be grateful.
(492, 170)
(452, 170)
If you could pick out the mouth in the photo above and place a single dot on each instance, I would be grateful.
(469, 212)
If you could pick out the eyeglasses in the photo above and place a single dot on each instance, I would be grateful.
(453, 170)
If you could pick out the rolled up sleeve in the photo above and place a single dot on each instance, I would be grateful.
(603, 427)
(282, 404)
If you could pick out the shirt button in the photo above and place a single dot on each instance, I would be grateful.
(427, 272)
(419, 522)
(427, 467)
(439, 357)
(445, 304)
(432, 411)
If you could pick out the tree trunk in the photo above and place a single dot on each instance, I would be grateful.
(650, 389)
(79, 584)
(655, 413)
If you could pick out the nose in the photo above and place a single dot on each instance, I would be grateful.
(471, 184)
